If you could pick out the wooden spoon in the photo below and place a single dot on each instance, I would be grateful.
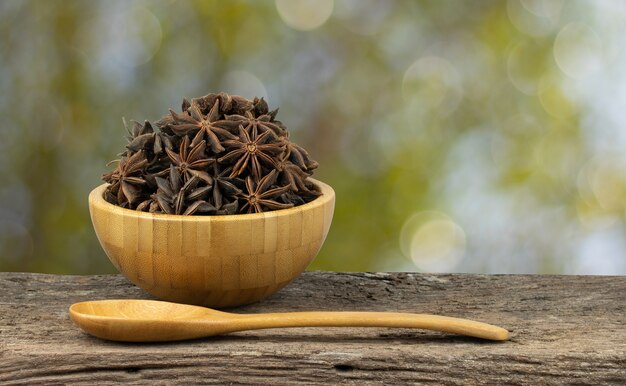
(156, 321)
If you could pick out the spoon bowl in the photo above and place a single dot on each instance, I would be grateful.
(139, 310)
(147, 320)
(157, 321)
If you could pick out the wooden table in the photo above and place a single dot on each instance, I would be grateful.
(565, 330)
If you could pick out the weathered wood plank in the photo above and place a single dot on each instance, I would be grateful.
(565, 330)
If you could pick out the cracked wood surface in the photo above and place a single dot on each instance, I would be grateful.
(564, 330)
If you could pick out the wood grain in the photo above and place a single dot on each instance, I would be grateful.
(565, 330)
(214, 261)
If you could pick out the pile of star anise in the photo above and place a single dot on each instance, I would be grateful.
(223, 154)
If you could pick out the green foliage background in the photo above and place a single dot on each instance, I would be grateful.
(494, 125)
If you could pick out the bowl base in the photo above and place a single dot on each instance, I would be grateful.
(216, 299)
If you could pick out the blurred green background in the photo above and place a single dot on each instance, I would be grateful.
(482, 136)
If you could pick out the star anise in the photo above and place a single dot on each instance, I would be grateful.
(229, 104)
(167, 120)
(205, 126)
(251, 150)
(186, 105)
(299, 156)
(290, 173)
(126, 179)
(191, 162)
(225, 190)
(291, 197)
(143, 137)
(239, 105)
(173, 197)
(261, 108)
(261, 124)
(149, 205)
(259, 196)
(196, 196)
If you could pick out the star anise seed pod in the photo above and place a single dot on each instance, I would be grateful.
(260, 106)
(291, 174)
(206, 129)
(299, 156)
(251, 150)
(126, 179)
(153, 143)
(191, 162)
(251, 123)
(173, 198)
(259, 196)
(224, 191)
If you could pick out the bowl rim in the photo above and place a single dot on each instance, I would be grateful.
(96, 199)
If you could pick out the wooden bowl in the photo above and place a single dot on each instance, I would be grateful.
(214, 261)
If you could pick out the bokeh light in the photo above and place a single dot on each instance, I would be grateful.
(432, 241)
(578, 50)
(134, 37)
(525, 72)
(534, 17)
(305, 15)
(243, 83)
(432, 83)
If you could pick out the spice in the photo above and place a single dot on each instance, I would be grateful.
(222, 154)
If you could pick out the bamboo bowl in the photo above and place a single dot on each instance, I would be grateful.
(213, 261)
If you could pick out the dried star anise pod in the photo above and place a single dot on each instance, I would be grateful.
(250, 150)
(175, 198)
(149, 205)
(291, 174)
(206, 126)
(299, 156)
(126, 179)
(191, 162)
(262, 123)
(144, 137)
(222, 154)
(261, 195)
(225, 191)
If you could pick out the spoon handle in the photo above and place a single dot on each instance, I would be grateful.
(370, 319)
